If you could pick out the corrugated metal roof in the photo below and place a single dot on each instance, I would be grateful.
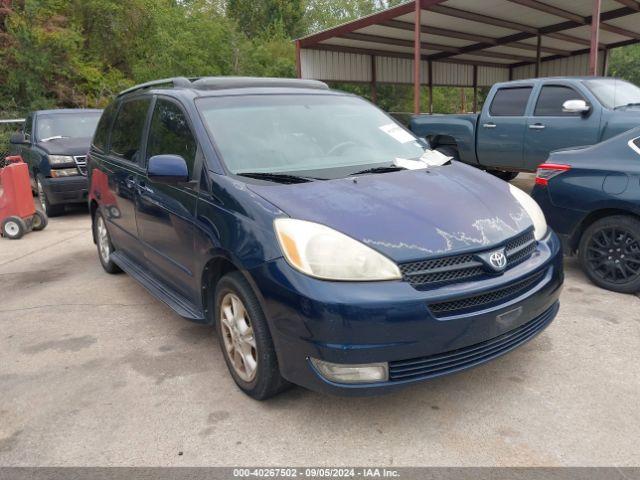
(494, 36)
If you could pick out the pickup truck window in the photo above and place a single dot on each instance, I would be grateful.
(551, 99)
(510, 102)
(127, 129)
(614, 93)
(170, 134)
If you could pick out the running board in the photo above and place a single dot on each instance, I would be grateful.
(177, 302)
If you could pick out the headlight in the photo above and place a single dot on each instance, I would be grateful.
(60, 159)
(324, 253)
(533, 210)
(64, 172)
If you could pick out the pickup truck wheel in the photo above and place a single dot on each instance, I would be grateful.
(609, 253)
(50, 210)
(449, 152)
(503, 175)
(245, 339)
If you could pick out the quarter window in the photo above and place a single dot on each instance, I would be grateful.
(510, 102)
(170, 134)
(127, 130)
(551, 99)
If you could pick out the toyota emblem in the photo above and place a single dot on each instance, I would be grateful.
(498, 260)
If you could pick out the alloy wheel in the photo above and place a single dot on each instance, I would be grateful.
(613, 254)
(238, 337)
(103, 240)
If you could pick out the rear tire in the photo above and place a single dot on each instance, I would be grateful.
(503, 175)
(245, 339)
(50, 210)
(13, 228)
(103, 242)
(609, 253)
(40, 221)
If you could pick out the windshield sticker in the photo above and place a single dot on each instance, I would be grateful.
(410, 164)
(398, 133)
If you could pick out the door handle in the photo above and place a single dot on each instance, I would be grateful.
(489, 125)
(537, 126)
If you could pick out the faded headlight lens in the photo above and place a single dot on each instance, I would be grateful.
(64, 172)
(533, 210)
(322, 252)
(60, 159)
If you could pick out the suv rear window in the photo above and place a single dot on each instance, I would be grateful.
(551, 99)
(127, 130)
(511, 102)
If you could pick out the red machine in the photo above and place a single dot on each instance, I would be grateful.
(17, 212)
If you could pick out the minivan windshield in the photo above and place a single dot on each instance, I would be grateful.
(66, 125)
(614, 93)
(319, 136)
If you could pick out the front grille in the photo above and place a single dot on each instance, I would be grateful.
(81, 162)
(456, 268)
(455, 360)
(485, 299)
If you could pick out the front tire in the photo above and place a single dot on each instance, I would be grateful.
(245, 339)
(47, 207)
(13, 228)
(503, 174)
(103, 242)
(609, 253)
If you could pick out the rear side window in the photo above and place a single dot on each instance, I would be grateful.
(551, 99)
(510, 102)
(101, 137)
(170, 133)
(126, 136)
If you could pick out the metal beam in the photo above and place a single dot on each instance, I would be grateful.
(538, 58)
(630, 3)
(595, 34)
(445, 32)
(417, 57)
(477, 17)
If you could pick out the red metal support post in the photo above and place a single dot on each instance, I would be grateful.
(417, 57)
(298, 61)
(374, 86)
(595, 37)
(430, 79)
(475, 88)
(538, 55)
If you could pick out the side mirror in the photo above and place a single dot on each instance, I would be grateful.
(575, 106)
(168, 169)
(17, 138)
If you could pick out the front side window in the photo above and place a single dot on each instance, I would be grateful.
(324, 136)
(551, 99)
(614, 93)
(510, 102)
(170, 134)
(101, 137)
(51, 126)
(126, 135)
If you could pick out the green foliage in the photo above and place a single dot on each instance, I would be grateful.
(76, 53)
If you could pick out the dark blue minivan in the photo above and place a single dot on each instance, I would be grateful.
(328, 245)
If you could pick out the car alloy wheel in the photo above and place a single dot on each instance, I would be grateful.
(104, 245)
(613, 254)
(239, 340)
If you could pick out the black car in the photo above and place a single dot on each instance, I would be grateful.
(591, 198)
(54, 143)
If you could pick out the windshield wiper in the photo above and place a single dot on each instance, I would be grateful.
(276, 177)
(632, 104)
(387, 169)
(56, 137)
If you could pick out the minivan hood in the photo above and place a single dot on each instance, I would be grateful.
(409, 215)
(66, 146)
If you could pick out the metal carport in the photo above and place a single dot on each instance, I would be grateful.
(470, 43)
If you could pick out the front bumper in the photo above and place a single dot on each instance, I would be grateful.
(360, 322)
(66, 190)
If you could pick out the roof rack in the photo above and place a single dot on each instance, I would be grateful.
(180, 82)
(224, 83)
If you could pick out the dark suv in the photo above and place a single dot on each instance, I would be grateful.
(54, 143)
(327, 244)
